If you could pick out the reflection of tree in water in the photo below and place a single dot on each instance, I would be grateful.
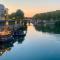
(6, 46)
(48, 28)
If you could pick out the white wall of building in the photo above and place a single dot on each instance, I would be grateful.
(3, 11)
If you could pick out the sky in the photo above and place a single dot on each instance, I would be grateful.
(31, 7)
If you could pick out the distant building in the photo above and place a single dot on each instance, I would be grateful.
(3, 12)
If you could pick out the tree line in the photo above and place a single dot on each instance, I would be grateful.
(55, 15)
(19, 14)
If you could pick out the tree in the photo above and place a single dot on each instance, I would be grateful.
(19, 14)
(55, 15)
(12, 16)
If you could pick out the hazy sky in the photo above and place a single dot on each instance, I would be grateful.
(31, 7)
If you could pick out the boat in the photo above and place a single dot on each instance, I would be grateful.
(19, 33)
(5, 34)
(5, 31)
(6, 39)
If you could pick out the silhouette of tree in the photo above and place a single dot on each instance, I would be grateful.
(55, 15)
(19, 14)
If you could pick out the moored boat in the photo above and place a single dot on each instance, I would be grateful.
(19, 33)
(5, 34)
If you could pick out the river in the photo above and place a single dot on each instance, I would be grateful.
(36, 45)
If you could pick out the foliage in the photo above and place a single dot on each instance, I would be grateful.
(48, 15)
(19, 14)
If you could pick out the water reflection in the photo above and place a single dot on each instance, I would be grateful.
(52, 28)
(6, 43)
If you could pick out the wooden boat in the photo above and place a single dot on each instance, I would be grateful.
(5, 31)
(5, 34)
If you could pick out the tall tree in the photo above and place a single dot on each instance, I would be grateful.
(19, 14)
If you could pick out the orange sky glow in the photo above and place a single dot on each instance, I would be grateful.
(29, 11)
(31, 7)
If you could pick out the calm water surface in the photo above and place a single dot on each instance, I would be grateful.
(36, 45)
